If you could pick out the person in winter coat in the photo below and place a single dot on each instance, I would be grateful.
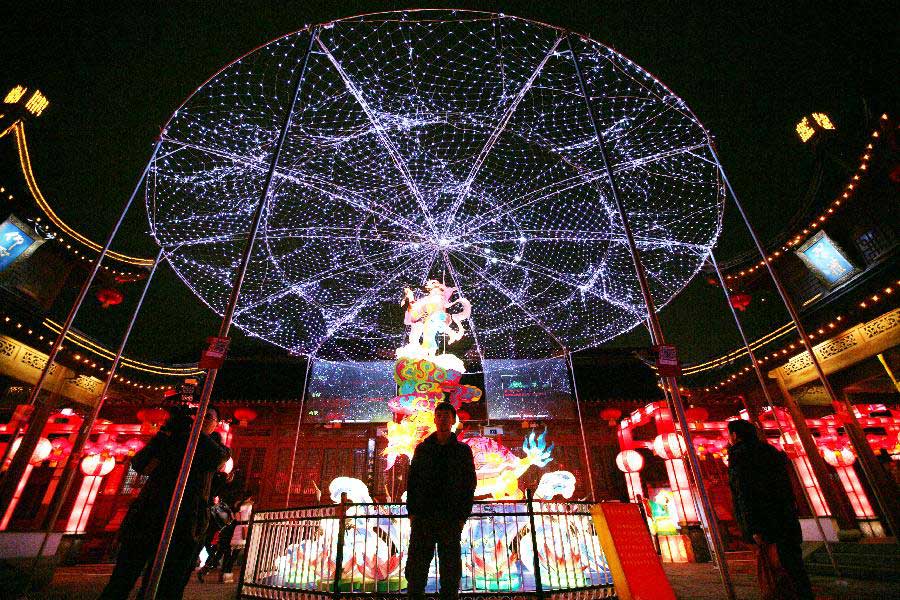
(764, 504)
(440, 492)
(142, 527)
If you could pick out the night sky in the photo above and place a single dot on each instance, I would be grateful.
(114, 77)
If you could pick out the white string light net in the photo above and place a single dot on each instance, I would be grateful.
(443, 145)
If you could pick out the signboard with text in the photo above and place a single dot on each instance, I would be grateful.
(635, 566)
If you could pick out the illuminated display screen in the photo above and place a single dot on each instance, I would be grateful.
(826, 259)
(528, 389)
(355, 392)
(13, 242)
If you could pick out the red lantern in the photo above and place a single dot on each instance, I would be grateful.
(696, 414)
(669, 445)
(151, 419)
(740, 301)
(629, 461)
(61, 449)
(133, 445)
(611, 415)
(109, 297)
(244, 416)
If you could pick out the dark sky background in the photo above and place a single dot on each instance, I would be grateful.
(114, 76)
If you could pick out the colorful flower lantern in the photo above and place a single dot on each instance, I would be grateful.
(41, 451)
(610, 415)
(96, 465)
(669, 445)
(629, 461)
(245, 415)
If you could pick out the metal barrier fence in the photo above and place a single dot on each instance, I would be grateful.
(510, 548)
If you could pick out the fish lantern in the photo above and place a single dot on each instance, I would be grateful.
(245, 415)
(97, 465)
(740, 301)
(151, 419)
(629, 461)
(109, 297)
(669, 446)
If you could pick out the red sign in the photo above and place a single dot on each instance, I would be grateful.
(214, 356)
(667, 361)
(635, 566)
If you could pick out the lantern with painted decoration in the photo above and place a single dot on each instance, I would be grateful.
(841, 457)
(41, 451)
(629, 461)
(669, 445)
(96, 465)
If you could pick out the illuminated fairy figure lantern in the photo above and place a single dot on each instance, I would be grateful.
(428, 317)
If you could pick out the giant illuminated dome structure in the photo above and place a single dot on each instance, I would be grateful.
(434, 145)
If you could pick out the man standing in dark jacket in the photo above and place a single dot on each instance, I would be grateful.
(763, 497)
(142, 527)
(440, 491)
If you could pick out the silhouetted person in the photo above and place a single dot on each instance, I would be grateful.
(440, 491)
(142, 527)
(764, 504)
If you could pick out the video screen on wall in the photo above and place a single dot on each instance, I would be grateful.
(528, 389)
(350, 392)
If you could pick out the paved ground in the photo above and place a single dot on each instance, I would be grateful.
(702, 582)
(690, 581)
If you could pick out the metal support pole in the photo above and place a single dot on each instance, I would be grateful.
(707, 514)
(287, 500)
(883, 488)
(87, 425)
(587, 454)
(39, 417)
(771, 404)
(536, 557)
(178, 493)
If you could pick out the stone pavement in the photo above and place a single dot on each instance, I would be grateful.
(690, 581)
(693, 581)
